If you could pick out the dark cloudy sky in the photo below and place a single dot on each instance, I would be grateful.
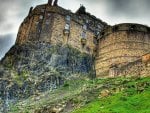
(12, 13)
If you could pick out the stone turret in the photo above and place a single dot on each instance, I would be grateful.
(81, 10)
(50, 2)
(120, 45)
(56, 3)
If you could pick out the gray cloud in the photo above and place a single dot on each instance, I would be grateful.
(128, 7)
(123, 7)
(119, 11)
(12, 12)
(6, 42)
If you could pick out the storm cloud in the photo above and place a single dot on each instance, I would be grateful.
(120, 11)
(12, 13)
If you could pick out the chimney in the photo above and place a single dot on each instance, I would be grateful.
(56, 3)
(30, 11)
(50, 2)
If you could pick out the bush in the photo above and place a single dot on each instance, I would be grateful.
(66, 85)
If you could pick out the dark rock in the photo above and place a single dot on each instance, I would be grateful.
(37, 66)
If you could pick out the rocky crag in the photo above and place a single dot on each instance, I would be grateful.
(36, 67)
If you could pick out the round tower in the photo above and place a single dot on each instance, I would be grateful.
(121, 44)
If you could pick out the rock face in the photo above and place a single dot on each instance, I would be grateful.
(35, 67)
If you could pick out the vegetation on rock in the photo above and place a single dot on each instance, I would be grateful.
(82, 95)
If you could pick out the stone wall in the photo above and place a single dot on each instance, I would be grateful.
(139, 68)
(56, 25)
(74, 38)
(116, 45)
(120, 46)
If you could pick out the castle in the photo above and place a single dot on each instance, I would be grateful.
(117, 50)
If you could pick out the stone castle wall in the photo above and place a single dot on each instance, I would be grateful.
(120, 45)
(112, 45)
(140, 67)
(54, 25)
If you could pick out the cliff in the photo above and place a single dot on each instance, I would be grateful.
(36, 67)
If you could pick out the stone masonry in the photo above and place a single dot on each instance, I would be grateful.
(120, 45)
(111, 46)
(46, 23)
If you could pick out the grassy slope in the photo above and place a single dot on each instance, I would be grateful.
(138, 103)
(127, 101)
(84, 93)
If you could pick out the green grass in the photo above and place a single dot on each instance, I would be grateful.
(127, 101)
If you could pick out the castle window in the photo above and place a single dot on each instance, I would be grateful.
(83, 34)
(67, 26)
(97, 33)
(41, 17)
(99, 26)
(87, 21)
(84, 27)
(68, 18)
